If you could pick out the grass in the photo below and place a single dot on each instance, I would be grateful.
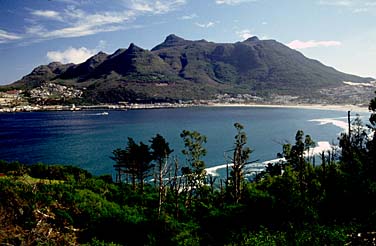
(30, 180)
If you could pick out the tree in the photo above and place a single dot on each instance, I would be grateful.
(119, 156)
(371, 145)
(358, 168)
(160, 153)
(134, 160)
(295, 155)
(240, 158)
(372, 107)
(354, 148)
(370, 168)
(359, 135)
(308, 144)
(143, 164)
(194, 151)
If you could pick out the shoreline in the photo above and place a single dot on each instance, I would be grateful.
(334, 107)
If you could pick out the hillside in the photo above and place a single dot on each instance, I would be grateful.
(183, 69)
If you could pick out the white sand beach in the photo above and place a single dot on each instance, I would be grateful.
(353, 108)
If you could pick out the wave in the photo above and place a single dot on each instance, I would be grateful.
(322, 146)
(213, 171)
(339, 123)
(253, 167)
(102, 113)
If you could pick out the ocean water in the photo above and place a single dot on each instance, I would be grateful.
(87, 138)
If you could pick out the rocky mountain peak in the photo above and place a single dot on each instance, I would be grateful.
(172, 38)
(101, 53)
(194, 69)
(134, 48)
(171, 41)
(252, 39)
(101, 56)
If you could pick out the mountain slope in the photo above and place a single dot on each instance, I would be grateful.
(81, 71)
(185, 69)
(41, 74)
(256, 63)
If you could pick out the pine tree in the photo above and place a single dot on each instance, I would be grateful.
(160, 153)
(240, 158)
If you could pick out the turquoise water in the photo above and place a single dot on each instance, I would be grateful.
(87, 139)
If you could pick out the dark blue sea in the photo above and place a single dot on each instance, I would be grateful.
(87, 138)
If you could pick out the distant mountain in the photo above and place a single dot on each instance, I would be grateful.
(81, 71)
(184, 69)
(42, 74)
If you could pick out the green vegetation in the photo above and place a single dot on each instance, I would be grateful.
(156, 201)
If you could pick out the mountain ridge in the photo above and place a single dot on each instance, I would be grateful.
(180, 69)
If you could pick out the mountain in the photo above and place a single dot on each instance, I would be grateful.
(81, 71)
(172, 41)
(257, 64)
(134, 64)
(185, 69)
(41, 74)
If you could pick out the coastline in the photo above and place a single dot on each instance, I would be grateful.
(120, 107)
(335, 107)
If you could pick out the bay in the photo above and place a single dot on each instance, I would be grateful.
(87, 138)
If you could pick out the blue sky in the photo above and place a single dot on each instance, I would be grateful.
(339, 33)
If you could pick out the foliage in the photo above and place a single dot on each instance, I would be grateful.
(194, 150)
(292, 203)
(239, 160)
(160, 154)
(134, 160)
